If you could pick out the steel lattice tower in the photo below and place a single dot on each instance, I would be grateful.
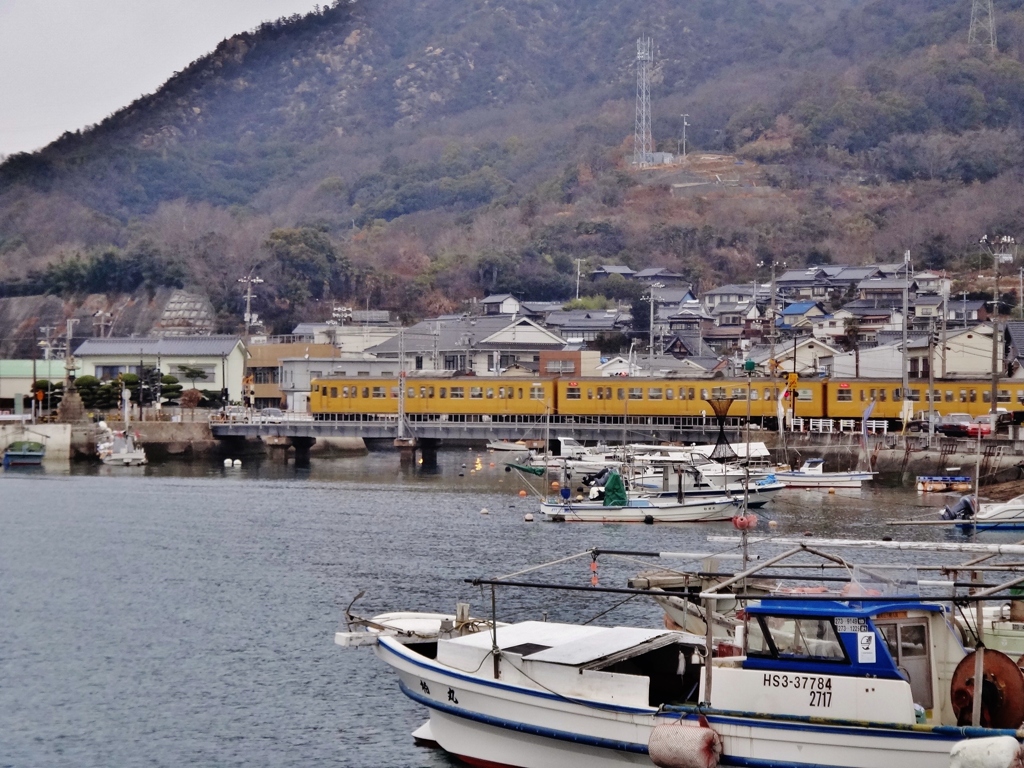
(983, 25)
(643, 144)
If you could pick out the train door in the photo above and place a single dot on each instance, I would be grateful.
(908, 644)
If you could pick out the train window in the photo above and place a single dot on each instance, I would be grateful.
(423, 392)
(590, 393)
(490, 393)
(914, 395)
(1020, 396)
(739, 393)
(844, 395)
(972, 395)
(689, 393)
(366, 392)
(536, 392)
(607, 393)
(986, 396)
(600, 393)
(334, 391)
(621, 393)
(768, 393)
(636, 393)
(410, 392)
(316, 387)
(430, 392)
(753, 394)
(717, 393)
(394, 392)
(669, 393)
(1004, 395)
(572, 393)
(458, 393)
(949, 396)
(897, 395)
(501, 393)
(379, 392)
(805, 394)
(963, 395)
(444, 392)
(520, 395)
(703, 394)
(655, 393)
(476, 393)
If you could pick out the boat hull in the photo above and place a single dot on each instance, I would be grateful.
(492, 723)
(589, 512)
(827, 480)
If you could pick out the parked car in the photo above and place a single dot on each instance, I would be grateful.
(235, 413)
(982, 425)
(919, 423)
(272, 416)
(955, 424)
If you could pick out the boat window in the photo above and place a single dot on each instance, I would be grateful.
(801, 638)
(572, 393)
(636, 393)
(654, 393)
(476, 393)
(458, 393)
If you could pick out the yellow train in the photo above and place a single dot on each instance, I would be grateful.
(623, 396)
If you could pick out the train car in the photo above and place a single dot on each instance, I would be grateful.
(849, 398)
(427, 395)
(636, 396)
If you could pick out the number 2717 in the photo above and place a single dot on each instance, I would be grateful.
(821, 698)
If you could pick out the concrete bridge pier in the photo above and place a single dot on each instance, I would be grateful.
(302, 446)
(428, 451)
(407, 450)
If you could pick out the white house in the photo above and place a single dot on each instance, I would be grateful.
(968, 352)
(221, 358)
(501, 304)
(809, 352)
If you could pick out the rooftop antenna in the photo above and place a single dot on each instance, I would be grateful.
(643, 144)
(983, 25)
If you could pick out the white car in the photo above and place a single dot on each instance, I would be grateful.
(272, 416)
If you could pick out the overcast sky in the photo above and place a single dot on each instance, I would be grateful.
(66, 64)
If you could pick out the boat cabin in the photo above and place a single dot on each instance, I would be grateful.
(888, 662)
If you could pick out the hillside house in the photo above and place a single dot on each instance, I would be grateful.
(501, 304)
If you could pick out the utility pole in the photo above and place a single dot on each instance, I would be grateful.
(401, 383)
(931, 383)
(249, 281)
(685, 124)
(578, 263)
(945, 313)
(906, 319)
(650, 348)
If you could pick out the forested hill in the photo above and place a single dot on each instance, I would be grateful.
(416, 153)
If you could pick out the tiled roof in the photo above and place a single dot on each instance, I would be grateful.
(176, 346)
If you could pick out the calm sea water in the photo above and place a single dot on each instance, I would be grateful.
(184, 614)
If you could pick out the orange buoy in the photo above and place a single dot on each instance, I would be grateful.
(522, 494)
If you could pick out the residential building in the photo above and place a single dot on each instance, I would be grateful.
(607, 270)
(583, 325)
(501, 304)
(659, 275)
(569, 362)
(298, 372)
(17, 377)
(885, 288)
(806, 356)
(221, 359)
(350, 338)
(968, 353)
(265, 366)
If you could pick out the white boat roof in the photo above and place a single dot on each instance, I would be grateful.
(563, 643)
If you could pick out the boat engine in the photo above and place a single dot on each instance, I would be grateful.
(962, 510)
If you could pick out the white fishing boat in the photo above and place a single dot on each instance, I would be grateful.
(507, 446)
(119, 447)
(813, 475)
(866, 683)
(641, 510)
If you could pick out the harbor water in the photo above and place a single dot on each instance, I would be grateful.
(184, 614)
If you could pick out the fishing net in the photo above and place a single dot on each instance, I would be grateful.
(723, 450)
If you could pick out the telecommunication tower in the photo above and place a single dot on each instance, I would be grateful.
(983, 25)
(643, 144)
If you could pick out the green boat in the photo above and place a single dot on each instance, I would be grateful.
(24, 453)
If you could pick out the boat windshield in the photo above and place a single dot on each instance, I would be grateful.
(787, 637)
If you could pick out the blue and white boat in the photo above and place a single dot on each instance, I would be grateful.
(868, 683)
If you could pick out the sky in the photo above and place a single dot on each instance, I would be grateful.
(67, 64)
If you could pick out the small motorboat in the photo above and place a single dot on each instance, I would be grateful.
(24, 453)
(505, 445)
(1005, 515)
(813, 475)
(119, 448)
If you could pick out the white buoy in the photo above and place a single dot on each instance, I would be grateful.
(528, 517)
(227, 462)
(485, 511)
(773, 523)
(238, 462)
